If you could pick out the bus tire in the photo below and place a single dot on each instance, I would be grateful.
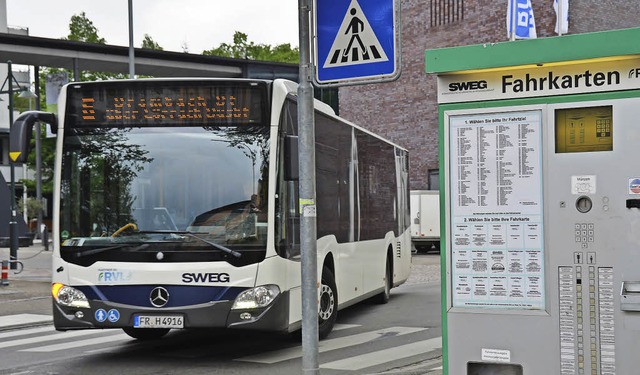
(384, 296)
(328, 308)
(146, 334)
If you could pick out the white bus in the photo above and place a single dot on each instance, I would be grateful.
(176, 206)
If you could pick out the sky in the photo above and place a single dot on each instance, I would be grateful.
(197, 24)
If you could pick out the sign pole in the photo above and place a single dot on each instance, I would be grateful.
(13, 223)
(307, 197)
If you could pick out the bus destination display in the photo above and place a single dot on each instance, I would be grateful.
(166, 105)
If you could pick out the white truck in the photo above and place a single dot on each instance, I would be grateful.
(425, 220)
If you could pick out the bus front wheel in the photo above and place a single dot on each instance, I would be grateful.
(384, 296)
(328, 309)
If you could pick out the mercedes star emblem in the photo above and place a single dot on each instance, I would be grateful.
(159, 296)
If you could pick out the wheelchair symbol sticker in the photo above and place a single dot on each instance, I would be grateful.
(113, 315)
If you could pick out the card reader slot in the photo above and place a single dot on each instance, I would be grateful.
(630, 296)
(633, 203)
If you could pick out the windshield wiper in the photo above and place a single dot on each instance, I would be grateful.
(217, 246)
(103, 249)
(191, 234)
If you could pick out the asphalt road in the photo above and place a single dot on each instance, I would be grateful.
(401, 337)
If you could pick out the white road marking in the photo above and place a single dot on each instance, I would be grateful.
(17, 319)
(382, 356)
(329, 344)
(26, 332)
(81, 343)
(53, 337)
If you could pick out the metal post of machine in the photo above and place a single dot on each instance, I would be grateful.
(307, 196)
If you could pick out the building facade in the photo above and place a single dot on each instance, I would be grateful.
(406, 112)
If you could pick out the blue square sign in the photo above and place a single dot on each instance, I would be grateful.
(356, 41)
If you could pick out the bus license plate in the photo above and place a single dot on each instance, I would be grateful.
(158, 321)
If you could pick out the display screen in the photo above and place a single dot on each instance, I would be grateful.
(586, 129)
(166, 103)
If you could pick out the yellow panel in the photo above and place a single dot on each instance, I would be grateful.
(584, 129)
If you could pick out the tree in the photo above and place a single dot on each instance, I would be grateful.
(149, 43)
(82, 29)
(109, 164)
(241, 49)
(33, 207)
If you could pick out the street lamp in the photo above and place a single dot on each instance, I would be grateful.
(27, 94)
(13, 223)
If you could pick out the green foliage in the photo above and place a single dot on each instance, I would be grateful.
(112, 164)
(242, 49)
(149, 43)
(33, 207)
(48, 156)
(22, 104)
(81, 29)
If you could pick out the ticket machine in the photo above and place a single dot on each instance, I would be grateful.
(540, 205)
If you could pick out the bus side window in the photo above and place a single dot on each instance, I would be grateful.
(288, 215)
(293, 221)
(291, 161)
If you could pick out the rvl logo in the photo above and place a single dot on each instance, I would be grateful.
(114, 276)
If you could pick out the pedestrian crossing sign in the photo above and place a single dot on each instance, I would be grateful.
(356, 41)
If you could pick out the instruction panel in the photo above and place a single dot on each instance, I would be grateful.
(496, 210)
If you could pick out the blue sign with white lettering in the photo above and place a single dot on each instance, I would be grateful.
(356, 41)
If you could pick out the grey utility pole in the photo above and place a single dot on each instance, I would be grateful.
(39, 159)
(13, 223)
(307, 196)
(132, 64)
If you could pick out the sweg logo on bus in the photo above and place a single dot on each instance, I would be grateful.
(468, 85)
(202, 277)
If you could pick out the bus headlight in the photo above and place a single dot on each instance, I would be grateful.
(69, 296)
(257, 297)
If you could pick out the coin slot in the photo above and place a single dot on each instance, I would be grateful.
(584, 204)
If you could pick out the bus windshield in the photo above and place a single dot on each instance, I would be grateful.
(179, 189)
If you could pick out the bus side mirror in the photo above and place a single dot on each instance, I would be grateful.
(291, 158)
(21, 130)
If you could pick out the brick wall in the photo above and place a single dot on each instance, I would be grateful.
(405, 111)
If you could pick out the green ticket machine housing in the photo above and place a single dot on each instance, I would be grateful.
(540, 205)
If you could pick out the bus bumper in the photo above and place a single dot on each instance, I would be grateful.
(103, 314)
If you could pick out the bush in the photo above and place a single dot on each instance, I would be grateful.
(33, 207)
